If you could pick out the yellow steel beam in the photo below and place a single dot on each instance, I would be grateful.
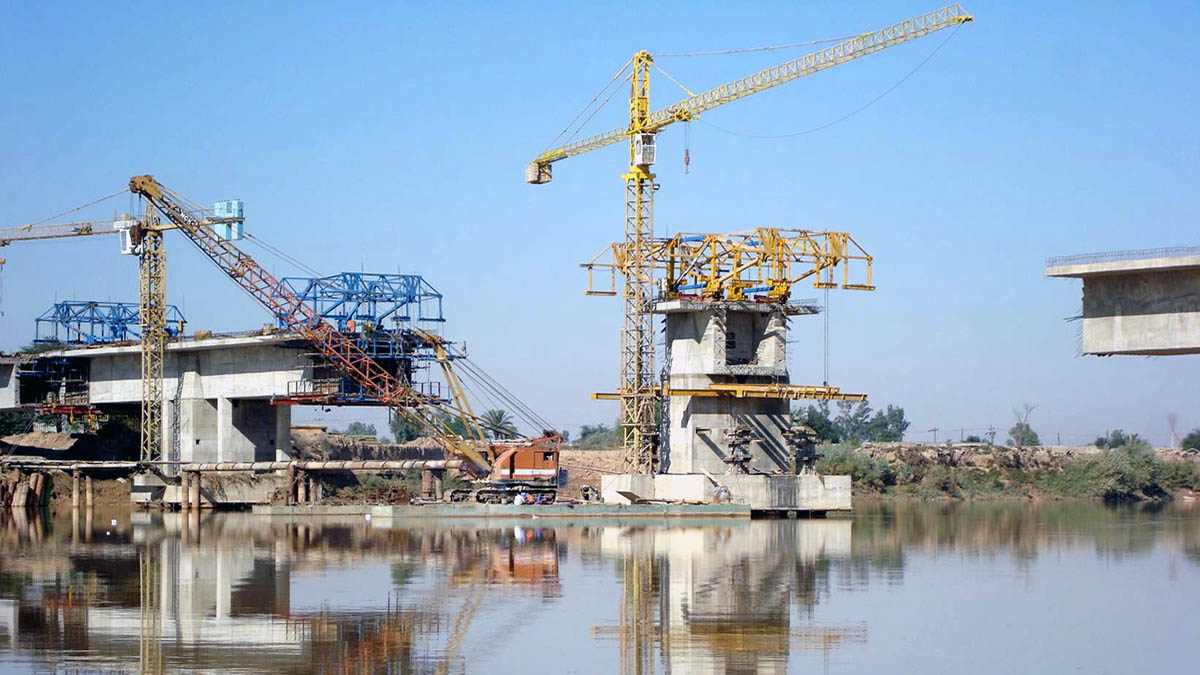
(777, 391)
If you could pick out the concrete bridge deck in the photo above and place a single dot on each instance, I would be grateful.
(1137, 302)
(217, 392)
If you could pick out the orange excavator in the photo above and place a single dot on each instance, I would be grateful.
(500, 468)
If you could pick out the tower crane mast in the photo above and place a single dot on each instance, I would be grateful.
(636, 387)
(143, 237)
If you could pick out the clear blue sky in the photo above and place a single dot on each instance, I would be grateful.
(393, 137)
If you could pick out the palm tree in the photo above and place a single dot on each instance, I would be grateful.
(499, 424)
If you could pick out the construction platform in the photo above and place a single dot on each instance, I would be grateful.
(388, 512)
(809, 494)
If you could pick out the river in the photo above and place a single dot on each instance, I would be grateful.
(899, 588)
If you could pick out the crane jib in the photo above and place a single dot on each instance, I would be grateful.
(847, 50)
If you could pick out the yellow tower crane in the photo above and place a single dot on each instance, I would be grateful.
(636, 387)
(141, 236)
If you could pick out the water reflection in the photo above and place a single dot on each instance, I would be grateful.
(242, 593)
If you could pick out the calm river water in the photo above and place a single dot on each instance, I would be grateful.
(985, 588)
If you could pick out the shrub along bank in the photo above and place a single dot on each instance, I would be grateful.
(980, 471)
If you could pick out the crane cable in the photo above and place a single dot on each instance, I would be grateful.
(282, 254)
(847, 116)
(745, 50)
(494, 390)
(615, 78)
(77, 208)
(483, 384)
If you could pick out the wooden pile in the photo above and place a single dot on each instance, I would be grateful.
(18, 491)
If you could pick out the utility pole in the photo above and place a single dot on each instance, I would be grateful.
(991, 432)
(935, 430)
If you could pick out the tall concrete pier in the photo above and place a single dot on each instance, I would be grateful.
(729, 433)
(722, 343)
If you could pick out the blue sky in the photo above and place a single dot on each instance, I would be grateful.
(391, 137)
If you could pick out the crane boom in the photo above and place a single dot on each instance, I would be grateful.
(848, 50)
(297, 315)
(9, 235)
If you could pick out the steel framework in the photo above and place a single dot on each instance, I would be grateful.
(358, 300)
(386, 315)
(638, 403)
(87, 322)
(291, 311)
(142, 237)
(759, 264)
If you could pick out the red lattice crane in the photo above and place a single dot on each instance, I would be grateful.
(527, 464)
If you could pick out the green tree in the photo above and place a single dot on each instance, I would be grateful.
(887, 425)
(817, 417)
(974, 439)
(597, 436)
(499, 424)
(454, 424)
(360, 429)
(403, 431)
(15, 423)
(852, 421)
(1192, 440)
(1021, 434)
(1119, 439)
(40, 347)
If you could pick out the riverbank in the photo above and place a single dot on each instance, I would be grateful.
(980, 471)
(879, 472)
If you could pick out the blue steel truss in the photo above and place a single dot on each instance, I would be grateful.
(355, 301)
(378, 312)
(84, 322)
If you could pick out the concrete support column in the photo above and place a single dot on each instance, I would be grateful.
(74, 490)
(283, 433)
(195, 489)
(290, 484)
(36, 483)
(302, 488)
(90, 493)
(225, 431)
(185, 490)
(427, 483)
(20, 494)
(438, 478)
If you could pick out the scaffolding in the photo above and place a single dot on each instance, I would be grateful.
(88, 322)
(762, 264)
(384, 315)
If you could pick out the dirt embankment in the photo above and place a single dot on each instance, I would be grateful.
(989, 457)
(585, 467)
(317, 444)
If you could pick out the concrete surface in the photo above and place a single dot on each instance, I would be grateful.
(807, 493)
(1148, 306)
(724, 342)
(510, 511)
(217, 393)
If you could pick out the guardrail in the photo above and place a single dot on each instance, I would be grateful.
(1118, 256)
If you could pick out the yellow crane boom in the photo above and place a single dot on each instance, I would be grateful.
(636, 388)
(691, 107)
